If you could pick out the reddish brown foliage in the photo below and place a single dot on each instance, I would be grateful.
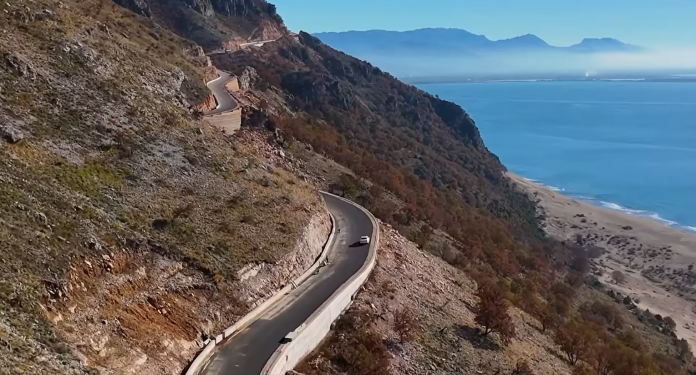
(492, 311)
(405, 325)
(522, 368)
(354, 348)
(424, 150)
(574, 340)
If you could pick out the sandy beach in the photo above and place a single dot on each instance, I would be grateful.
(657, 260)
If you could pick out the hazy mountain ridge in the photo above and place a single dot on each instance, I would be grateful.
(456, 52)
(449, 41)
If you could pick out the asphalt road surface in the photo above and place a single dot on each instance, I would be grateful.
(247, 352)
(227, 103)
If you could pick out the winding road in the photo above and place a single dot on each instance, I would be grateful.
(247, 352)
(224, 99)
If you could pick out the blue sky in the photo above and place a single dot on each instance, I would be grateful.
(650, 23)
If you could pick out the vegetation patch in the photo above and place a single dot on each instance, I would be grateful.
(89, 178)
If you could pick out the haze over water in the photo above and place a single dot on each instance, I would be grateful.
(629, 146)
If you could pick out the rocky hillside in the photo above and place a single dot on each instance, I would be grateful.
(425, 151)
(129, 228)
(213, 23)
(418, 315)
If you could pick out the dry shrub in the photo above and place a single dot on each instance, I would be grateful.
(522, 368)
(405, 325)
(353, 348)
(618, 276)
(492, 311)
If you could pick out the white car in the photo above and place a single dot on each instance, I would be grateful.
(364, 240)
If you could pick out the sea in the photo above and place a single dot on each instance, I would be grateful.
(623, 145)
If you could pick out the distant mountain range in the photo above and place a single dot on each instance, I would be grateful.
(455, 42)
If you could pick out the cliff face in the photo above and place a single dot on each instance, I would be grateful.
(213, 23)
(138, 6)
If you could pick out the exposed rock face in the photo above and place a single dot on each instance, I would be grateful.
(250, 19)
(234, 8)
(10, 132)
(243, 8)
(248, 78)
(19, 65)
(268, 30)
(204, 7)
(138, 6)
(208, 104)
(261, 281)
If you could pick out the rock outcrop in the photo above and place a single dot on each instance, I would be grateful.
(138, 6)
(248, 19)
(248, 78)
(262, 280)
(204, 7)
(208, 104)
(10, 132)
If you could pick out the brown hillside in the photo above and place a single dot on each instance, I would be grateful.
(426, 151)
(124, 220)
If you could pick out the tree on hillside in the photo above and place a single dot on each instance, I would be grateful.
(603, 314)
(492, 311)
(601, 355)
(632, 339)
(580, 262)
(522, 368)
(405, 325)
(683, 349)
(594, 252)
(549, 318)
(574, 340)
(670, 322)
(618, 276)
(583, 369)
(668, 364)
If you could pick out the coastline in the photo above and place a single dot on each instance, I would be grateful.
(595, 202)
(654, 256)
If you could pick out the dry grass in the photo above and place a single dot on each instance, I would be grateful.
(110, 149)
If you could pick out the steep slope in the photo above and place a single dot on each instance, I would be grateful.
(441, 299)
(453, 42)
(213, 23)
(420, 316)
(425, 150)
(129, 229)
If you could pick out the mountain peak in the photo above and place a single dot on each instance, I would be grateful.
(603, 45)
(526, 40)
(443, 41)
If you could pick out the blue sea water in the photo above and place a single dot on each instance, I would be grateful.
(628, 146)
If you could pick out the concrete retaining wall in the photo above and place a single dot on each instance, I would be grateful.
(199, 363)
(310, 334)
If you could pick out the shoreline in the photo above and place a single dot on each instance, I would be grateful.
(612, 206)
(657, 259)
